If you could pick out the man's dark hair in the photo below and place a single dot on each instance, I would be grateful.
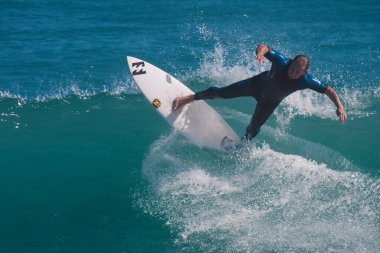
(305, 57)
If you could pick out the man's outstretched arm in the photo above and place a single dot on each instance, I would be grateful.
(330, 92)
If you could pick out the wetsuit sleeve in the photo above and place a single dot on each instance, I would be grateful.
(309, 82)
(276, 57)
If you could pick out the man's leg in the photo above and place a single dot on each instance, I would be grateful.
(248, 87)
(260, 116)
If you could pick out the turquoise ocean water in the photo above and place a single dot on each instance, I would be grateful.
(86, 165)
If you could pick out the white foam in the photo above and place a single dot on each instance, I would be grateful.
(357, 104)
(291, 144)
(257, 199)
(214, 66)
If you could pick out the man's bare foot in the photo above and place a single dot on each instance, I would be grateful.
(175, 103)
(181, 101)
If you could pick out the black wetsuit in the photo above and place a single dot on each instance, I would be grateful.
(269, 88)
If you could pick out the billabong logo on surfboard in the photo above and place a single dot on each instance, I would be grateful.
(138, 68)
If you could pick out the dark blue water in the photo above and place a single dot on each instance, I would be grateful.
(86, 165)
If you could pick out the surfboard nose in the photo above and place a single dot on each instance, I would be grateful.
(132, 59)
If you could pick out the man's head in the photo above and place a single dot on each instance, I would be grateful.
(298, 66)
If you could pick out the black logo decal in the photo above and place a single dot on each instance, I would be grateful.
(138, 68)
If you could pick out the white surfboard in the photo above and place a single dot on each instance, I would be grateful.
(201, 124)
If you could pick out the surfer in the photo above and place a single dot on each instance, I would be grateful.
(269, 88)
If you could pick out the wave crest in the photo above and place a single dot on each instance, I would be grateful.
(79, 89)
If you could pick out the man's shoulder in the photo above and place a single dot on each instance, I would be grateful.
(309, 78)
(309, 81)
(274, 55)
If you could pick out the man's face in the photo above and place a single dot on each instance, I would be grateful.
(297, 68)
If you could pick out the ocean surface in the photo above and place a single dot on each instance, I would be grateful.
(87, 165)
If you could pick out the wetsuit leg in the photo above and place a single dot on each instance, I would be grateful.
(262, 112)
(249, 87)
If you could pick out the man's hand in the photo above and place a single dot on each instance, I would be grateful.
(261, 50)
(339, 111)
(341, 114)
(260, 58)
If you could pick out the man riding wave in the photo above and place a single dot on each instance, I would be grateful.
(269, 88)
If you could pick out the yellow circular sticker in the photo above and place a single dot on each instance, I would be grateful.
(156, 103)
